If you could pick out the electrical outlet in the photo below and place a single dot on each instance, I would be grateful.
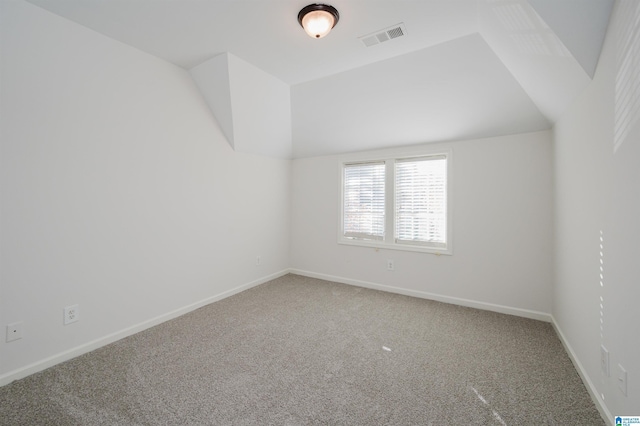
(390, 265)
(604, 360)
(14, 331)
(258, 260)
(622, 379)
(71, 314)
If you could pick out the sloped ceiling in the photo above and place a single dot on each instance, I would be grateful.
(446, 92)
(465, 68)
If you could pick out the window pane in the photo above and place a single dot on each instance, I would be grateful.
(363, 211)
(421, 201)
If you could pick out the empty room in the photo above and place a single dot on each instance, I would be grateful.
(349, 213)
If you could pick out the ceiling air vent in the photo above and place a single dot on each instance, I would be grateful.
(384, 35)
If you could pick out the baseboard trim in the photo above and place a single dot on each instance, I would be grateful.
(526, 313)
(105, 340)
(591, 388)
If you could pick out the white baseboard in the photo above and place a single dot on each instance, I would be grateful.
(526, 313)
(110, 338)
(103, 341)
(593, 392)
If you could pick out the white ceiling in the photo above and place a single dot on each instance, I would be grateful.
(439, 93)
(465, 69)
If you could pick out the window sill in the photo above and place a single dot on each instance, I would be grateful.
(394, 246)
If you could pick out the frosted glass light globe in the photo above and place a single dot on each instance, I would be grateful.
(318, 23)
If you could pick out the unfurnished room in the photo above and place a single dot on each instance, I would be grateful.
(358, 212)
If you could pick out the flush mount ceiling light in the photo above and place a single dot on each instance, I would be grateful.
(318, 19)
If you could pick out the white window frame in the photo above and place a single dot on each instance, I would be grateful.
(389, 239)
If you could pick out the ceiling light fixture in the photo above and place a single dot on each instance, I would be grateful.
(318, 19)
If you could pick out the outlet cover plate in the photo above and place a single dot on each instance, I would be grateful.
(14, 331)
(71, 314)
(622, 379)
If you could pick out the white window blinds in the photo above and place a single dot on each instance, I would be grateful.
(421, 201)
(364, 206)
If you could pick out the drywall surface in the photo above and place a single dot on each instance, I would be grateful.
(502, 225)
(261, 110)
(253, 107)
(212, 79)
(440, 93)
(597, 211)
(119, 191)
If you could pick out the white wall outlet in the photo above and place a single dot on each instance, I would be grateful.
(390, 265)
(622, 379)
(14, 331)
(258, 260)
(604, 360)
(71, 314)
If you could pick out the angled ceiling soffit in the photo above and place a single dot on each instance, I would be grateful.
(252, 107)
(535, 55)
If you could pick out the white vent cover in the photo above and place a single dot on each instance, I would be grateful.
(381, 36)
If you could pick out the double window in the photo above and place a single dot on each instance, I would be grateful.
(398, 203)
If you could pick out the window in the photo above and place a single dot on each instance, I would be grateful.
(364, 201)
(397, 203)
(421, 201)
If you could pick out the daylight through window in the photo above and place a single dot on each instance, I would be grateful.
(364, 200)
(398, 203)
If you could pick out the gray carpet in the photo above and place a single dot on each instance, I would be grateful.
(298, 351)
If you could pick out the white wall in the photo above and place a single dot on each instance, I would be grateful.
(261, 107)
(252, 107)
(119, 191)
(598, 190)
(502, 227)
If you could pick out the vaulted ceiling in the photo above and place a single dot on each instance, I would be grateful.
(463, 69)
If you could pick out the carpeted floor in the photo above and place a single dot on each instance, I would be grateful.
(298, 351)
